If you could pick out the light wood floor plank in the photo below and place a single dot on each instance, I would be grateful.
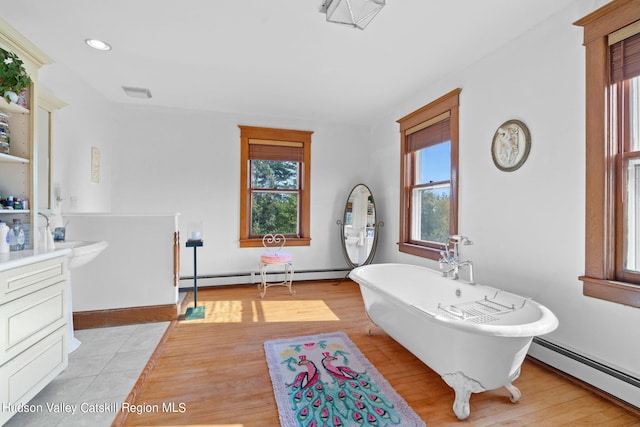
(216, 367)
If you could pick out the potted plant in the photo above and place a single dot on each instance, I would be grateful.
(13, 76)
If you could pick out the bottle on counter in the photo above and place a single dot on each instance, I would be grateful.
(17, 236)
(4, 238)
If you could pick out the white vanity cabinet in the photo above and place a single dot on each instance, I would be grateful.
(33, 323)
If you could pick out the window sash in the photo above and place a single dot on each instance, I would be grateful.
(425, 230)
(426, 227)
(258, 230)
(624, 103)
(632, 221)
(278, 185)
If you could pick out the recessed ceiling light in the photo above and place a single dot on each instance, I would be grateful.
(137, 92)
(97, 44)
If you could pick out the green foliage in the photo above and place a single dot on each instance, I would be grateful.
(275, 208)
(274, 213)
(434, 220)
(13, 76)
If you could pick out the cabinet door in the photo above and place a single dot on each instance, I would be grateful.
(25, 321)
(24, 376)
(20, 281)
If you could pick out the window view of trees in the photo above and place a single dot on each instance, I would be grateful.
(431, 199)
(434, 205)
(274, 197)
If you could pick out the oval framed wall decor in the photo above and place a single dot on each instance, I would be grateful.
(511, 145)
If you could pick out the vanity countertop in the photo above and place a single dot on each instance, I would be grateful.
(20, 258)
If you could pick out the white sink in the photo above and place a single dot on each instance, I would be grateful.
(81, 251)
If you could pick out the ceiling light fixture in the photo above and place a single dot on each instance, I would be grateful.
(97, 44)
(137, 92)
(355, 13)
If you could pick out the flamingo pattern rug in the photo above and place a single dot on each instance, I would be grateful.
(324, 380)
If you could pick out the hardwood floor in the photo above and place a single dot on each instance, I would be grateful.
(214, 371)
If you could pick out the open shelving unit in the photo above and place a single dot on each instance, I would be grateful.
(18, 174)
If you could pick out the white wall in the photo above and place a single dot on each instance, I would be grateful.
(189, 162)
(135, 270)
(85, 123)
(527, 225)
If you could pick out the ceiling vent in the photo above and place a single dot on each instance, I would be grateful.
(137, 92)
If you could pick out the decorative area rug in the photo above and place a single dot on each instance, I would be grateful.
(324, 380)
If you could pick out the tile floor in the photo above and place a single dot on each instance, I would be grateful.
(100, 375)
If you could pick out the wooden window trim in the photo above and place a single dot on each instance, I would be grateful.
(278, 136)
(598, 280)
(413, 122)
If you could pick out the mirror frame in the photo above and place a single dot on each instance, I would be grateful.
(376, 226)
(49, 103)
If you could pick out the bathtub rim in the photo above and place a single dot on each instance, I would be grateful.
(547, 322)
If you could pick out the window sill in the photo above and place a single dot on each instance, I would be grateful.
(421, 251)
(610, 290)
(291, 241)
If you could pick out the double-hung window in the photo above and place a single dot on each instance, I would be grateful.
(275, 181)
(625, 110)
(612, 255)
(429, 159)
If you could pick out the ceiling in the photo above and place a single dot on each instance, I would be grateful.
(277, 57)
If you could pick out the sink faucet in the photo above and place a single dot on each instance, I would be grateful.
(45, 217)
(451, 257)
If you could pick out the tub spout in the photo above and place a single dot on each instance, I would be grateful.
(470, 265)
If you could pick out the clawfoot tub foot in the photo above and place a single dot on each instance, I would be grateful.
(372, 325)
(514, 391)
(463, 386)
(370, 328)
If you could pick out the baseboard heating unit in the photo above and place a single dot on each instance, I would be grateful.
(251, 277)
(611, 381)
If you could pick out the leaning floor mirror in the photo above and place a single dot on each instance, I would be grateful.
(359, 227)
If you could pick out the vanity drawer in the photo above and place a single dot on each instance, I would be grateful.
(27, 320)
(24, 376)
(20, 281)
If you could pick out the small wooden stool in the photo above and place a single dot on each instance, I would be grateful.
(274, 255)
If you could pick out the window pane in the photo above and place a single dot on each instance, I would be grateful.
(274, 174)
(433, 164)
(431, 214)
(633, 216)
(273, 212)
(635, 114)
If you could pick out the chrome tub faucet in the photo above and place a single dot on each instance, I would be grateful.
(451, 256)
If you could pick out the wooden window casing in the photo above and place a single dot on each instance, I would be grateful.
(426, 116)
(603, 204)
(275, 144)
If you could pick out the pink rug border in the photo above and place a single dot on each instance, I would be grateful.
(410, 418)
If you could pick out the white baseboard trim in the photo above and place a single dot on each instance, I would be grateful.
(614, 382)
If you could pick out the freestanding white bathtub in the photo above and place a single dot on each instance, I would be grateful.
(474, 336)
